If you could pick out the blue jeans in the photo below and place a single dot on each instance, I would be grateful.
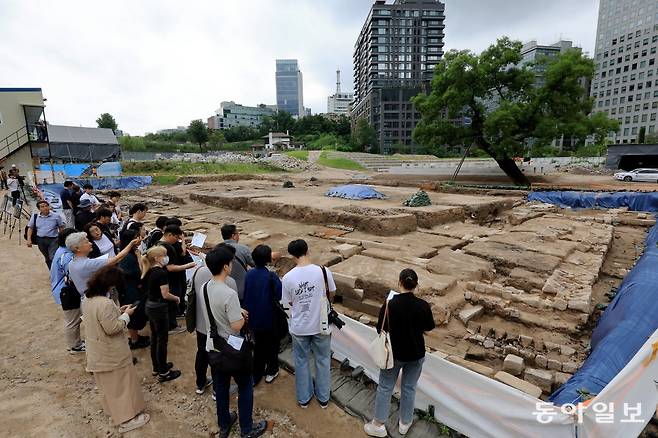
(387, 379)
(221, 383)
(302, 346)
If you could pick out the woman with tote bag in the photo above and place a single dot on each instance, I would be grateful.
(405, 317)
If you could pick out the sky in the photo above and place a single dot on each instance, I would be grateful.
(156, 64)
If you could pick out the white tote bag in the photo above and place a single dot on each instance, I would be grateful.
(380, 348)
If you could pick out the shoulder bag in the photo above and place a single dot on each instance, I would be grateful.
(190, 309)
(224, 357)
(34, 230)
(279, 315)
(69, 295)
(380, 349)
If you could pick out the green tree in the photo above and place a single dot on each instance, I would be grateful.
(642, 136)
(463, 82)
(216, 139)
(281, 121)
(129, 143)
(198, 133)
(364, 136)
(107, 121)
(651, 138)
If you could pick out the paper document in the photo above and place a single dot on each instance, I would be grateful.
(235, 341)
(198, 240)
(104, 256)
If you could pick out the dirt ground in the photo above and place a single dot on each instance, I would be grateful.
(45, 391)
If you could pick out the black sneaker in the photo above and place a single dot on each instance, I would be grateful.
(169, 366)
(304, 405)
(256, 430)
(202, 389)
(169, 375)
(226, 432)
(324, 405)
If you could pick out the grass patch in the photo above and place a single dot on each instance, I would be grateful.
(300, 155)
(338, 162)
(166, 172)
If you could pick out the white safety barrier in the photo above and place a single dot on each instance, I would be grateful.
(478, 406)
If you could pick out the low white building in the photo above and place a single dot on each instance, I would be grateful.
(339, 103)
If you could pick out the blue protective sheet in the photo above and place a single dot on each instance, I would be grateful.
(630, 318)
(109, 169)
(70, 170)
(635, 201)
(354, 191)
(123, 182)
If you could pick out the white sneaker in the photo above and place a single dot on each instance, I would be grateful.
(373, 430)
(270, 379)
(404, 428)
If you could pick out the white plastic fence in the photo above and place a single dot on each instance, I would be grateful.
(478, 406)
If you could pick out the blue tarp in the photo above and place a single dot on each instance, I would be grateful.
(630, 318)
(70, 170)
(635, 201)
(109, 169)
(123, 182)
(354, 191)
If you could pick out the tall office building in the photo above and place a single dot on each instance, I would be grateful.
(339, 103)
(289, 87)
(625, 85)
(394, 59)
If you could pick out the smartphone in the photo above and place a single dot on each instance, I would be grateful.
(136, 303)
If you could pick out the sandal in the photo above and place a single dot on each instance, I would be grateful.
(137, 422)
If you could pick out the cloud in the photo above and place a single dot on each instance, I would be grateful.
(156, 64)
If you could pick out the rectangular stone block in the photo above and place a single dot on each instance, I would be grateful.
(343, 280)
(480, 369)
(554, 365)
(521, 385)
(469, 312)
(541, 378)
(347, 250)
(513, 364)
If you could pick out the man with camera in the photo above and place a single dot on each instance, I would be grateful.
(309, 288)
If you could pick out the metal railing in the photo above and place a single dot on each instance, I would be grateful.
(13, 141)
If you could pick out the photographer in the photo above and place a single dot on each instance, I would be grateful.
(307, 287)
(14, 184)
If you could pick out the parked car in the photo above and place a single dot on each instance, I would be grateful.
(648, 175)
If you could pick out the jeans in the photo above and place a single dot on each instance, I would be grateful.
(159, 323)
(47, 246)
(302, 346)
(201, 360)
(266, 354)
(387, 379)
(221, 383)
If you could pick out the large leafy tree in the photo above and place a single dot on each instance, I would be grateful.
(106, 120)
(198, 133)
(488, 101)
(281, 121)
(364, 136)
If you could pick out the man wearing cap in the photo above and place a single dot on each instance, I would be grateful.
(47, 226)
(84, 215)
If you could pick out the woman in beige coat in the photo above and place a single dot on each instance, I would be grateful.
(108, 353)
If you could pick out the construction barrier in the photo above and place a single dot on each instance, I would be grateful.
(478, 406)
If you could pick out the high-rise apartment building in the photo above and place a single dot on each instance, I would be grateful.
(289, 87)
(231, 114)
(394, 59)
(625, 85)
(339, 103)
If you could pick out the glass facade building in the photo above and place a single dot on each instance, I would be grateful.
(394, 59)
(289, 87)
(625, 85)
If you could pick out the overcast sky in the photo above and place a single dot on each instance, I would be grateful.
(156, 64)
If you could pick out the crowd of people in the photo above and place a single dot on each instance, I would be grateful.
(128, 278)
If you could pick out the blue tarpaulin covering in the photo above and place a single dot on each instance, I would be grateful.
(123, 182)
(635, 201)
(354, 191)
(70, 170)
(631, 317)
(109, 169)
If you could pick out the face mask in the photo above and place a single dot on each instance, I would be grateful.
(165, 261)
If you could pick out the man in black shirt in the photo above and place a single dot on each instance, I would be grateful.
(172, 234)
(84, 215)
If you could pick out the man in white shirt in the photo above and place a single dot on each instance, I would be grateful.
(89, 194)
(305, 288)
